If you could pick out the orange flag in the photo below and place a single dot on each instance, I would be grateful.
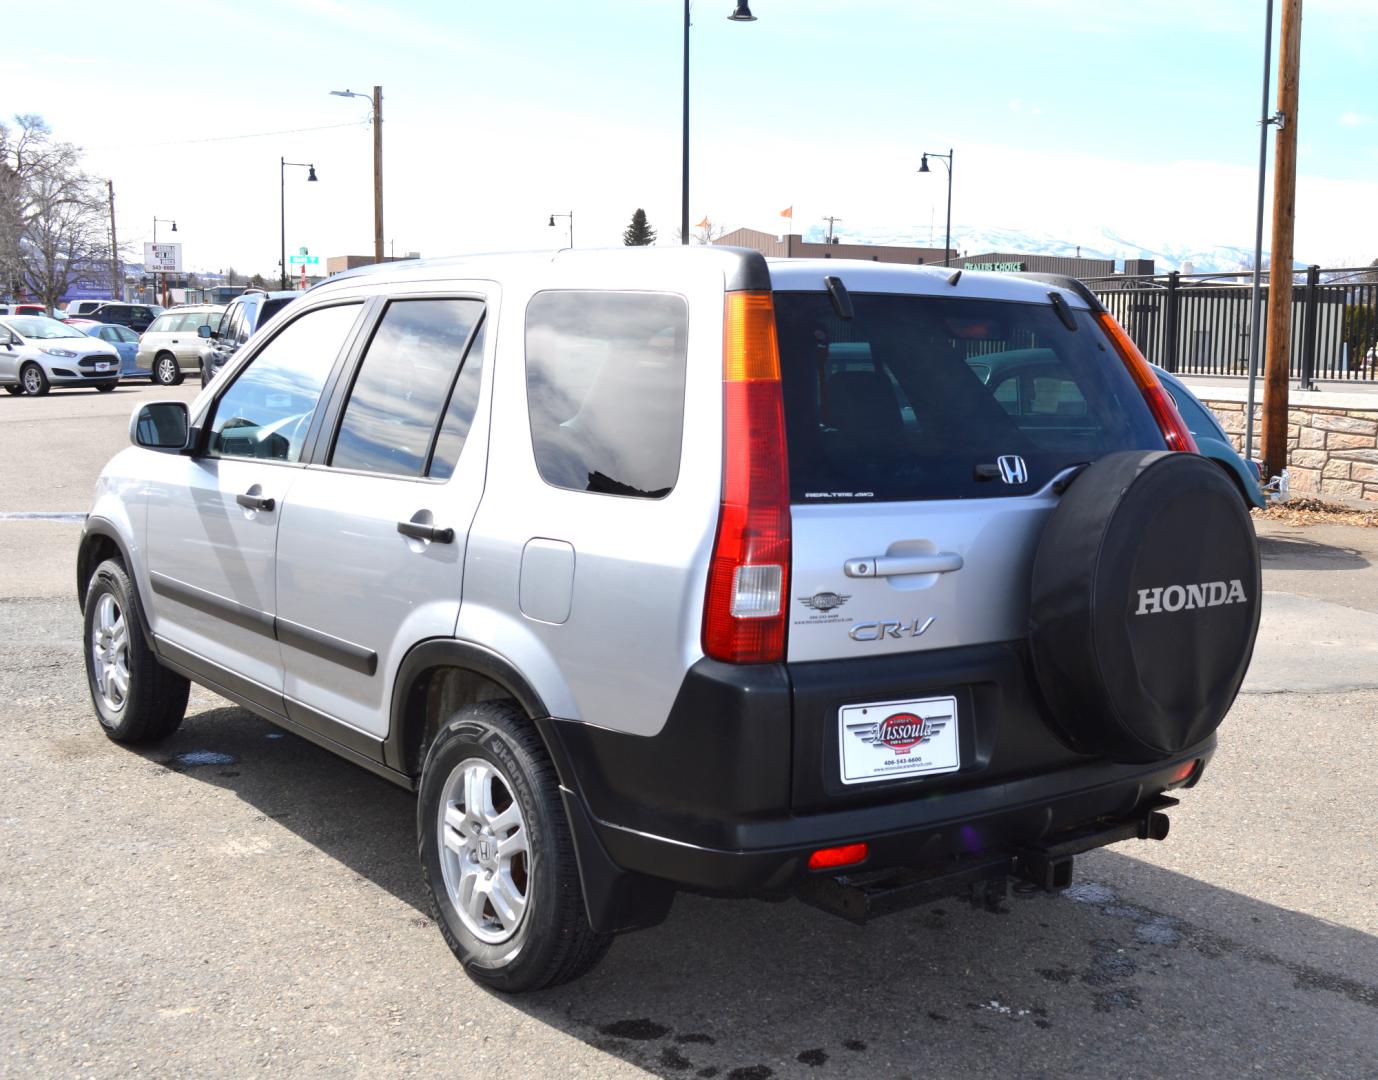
(788, 212)
(702, 224)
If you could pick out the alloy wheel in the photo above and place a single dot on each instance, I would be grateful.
(483, 851)
(110, 651)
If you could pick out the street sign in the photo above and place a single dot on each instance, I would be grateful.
(163, 258)
(304, 260)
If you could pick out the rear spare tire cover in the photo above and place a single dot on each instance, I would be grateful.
(1145, 604)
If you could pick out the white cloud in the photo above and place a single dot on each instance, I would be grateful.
(1353, 119)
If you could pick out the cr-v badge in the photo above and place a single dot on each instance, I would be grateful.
(876, 631)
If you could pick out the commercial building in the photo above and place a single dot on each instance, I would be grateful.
(336, 264)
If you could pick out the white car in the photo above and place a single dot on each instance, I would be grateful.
(38, 353)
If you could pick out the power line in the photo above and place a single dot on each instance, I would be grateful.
(253, 135)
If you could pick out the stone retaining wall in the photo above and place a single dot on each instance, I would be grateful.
(1330, 451)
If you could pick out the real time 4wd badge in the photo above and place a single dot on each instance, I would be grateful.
(889, 739)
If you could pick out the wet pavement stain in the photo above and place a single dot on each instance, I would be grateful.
(813, 1058)
(640, 1030)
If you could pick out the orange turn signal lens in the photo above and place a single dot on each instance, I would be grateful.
(834, 858)
(750, 350)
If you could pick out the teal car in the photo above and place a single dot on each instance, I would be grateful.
(1213, 441)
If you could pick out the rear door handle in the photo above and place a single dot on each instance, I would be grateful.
(944, 562)
(426, 532)
(255, 502)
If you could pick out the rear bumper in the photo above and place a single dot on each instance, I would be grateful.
(739, 788)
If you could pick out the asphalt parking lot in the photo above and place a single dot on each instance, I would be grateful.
(237, 900)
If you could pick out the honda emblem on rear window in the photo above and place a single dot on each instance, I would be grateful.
(1012, 469)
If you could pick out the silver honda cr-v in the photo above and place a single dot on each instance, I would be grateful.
(664, 569)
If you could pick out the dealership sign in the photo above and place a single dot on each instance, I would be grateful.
(1008, 267)
(163, 258)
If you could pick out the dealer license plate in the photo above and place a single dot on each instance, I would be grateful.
(101, 366)
(888, 739)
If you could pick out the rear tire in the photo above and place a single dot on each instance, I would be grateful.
(166, 371)
(34, 380)
(136, 698)
(16, 390)
(508, 859)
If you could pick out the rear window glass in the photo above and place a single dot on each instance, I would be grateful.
(921, 397)
(605, 390)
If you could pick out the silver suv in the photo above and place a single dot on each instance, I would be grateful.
(680, 569)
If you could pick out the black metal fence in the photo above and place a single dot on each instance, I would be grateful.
(1199, 324)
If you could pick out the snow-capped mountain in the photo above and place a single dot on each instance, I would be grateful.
(1100, 243)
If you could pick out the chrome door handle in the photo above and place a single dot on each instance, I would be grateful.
(944, 562)
(255, 502)
(426, 532)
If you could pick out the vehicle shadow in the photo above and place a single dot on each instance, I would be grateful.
(1289, 553)
(1162, 975)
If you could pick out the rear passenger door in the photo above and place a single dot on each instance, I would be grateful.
(371, 546)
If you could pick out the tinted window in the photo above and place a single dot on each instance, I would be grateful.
(917, 397)
(266, 411)
(459, 414)
(271, 308)
(402, 386)
(605, 390)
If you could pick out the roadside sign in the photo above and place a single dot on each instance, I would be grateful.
(163, 258)
(304, 260)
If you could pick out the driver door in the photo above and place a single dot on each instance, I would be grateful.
(213, 515)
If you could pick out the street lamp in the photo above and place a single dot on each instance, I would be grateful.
(165, 221)
(570, 215)
(741, 15)
(923, 167)
(377, 100)
(282, 200)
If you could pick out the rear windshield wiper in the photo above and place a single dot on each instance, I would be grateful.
(1063, 311)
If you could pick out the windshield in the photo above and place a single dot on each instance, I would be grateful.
(41, 328)
(922, 397)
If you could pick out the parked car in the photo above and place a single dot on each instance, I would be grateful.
(122, 339)
(245, 314)
(138, 317)
(171, 346)
(79, 308)
(678, 568)
(1213, 441)
(22, 309)
(38, 353)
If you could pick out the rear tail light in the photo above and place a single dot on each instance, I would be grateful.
(1165, 413)
(748, 577)
(834, 858)
(1183, 773)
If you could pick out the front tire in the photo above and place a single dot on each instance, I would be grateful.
(136, 698)
(17, 390)
(105, 388)
(166, 371)
(34, 380)
(497, 853)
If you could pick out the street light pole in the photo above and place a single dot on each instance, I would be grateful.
(570, 216)
(377, 99)
(1256, 293)
(923, 167)
(741, 14)
(282, 208)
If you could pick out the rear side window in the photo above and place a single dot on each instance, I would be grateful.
(161, 324)
(920, 397)
(404, 381)
(605, 390)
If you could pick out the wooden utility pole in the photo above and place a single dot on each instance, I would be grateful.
(116, 278)
(1275, 368)
(377, 174)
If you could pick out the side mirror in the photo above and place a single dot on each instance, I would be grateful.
(161, 425)
(203, 331)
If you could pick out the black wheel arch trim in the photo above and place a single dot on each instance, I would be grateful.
(433, 653)
(104, 529)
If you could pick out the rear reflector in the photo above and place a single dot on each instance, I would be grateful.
(833, 858)
(1184, 772)
(1165, 414)
(745, 609)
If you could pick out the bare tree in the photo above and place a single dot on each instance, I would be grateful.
(705, 232)
(52, 214)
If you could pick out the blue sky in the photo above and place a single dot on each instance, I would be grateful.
(1067, 118)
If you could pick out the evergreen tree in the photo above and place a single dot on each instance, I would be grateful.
(639, 233)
